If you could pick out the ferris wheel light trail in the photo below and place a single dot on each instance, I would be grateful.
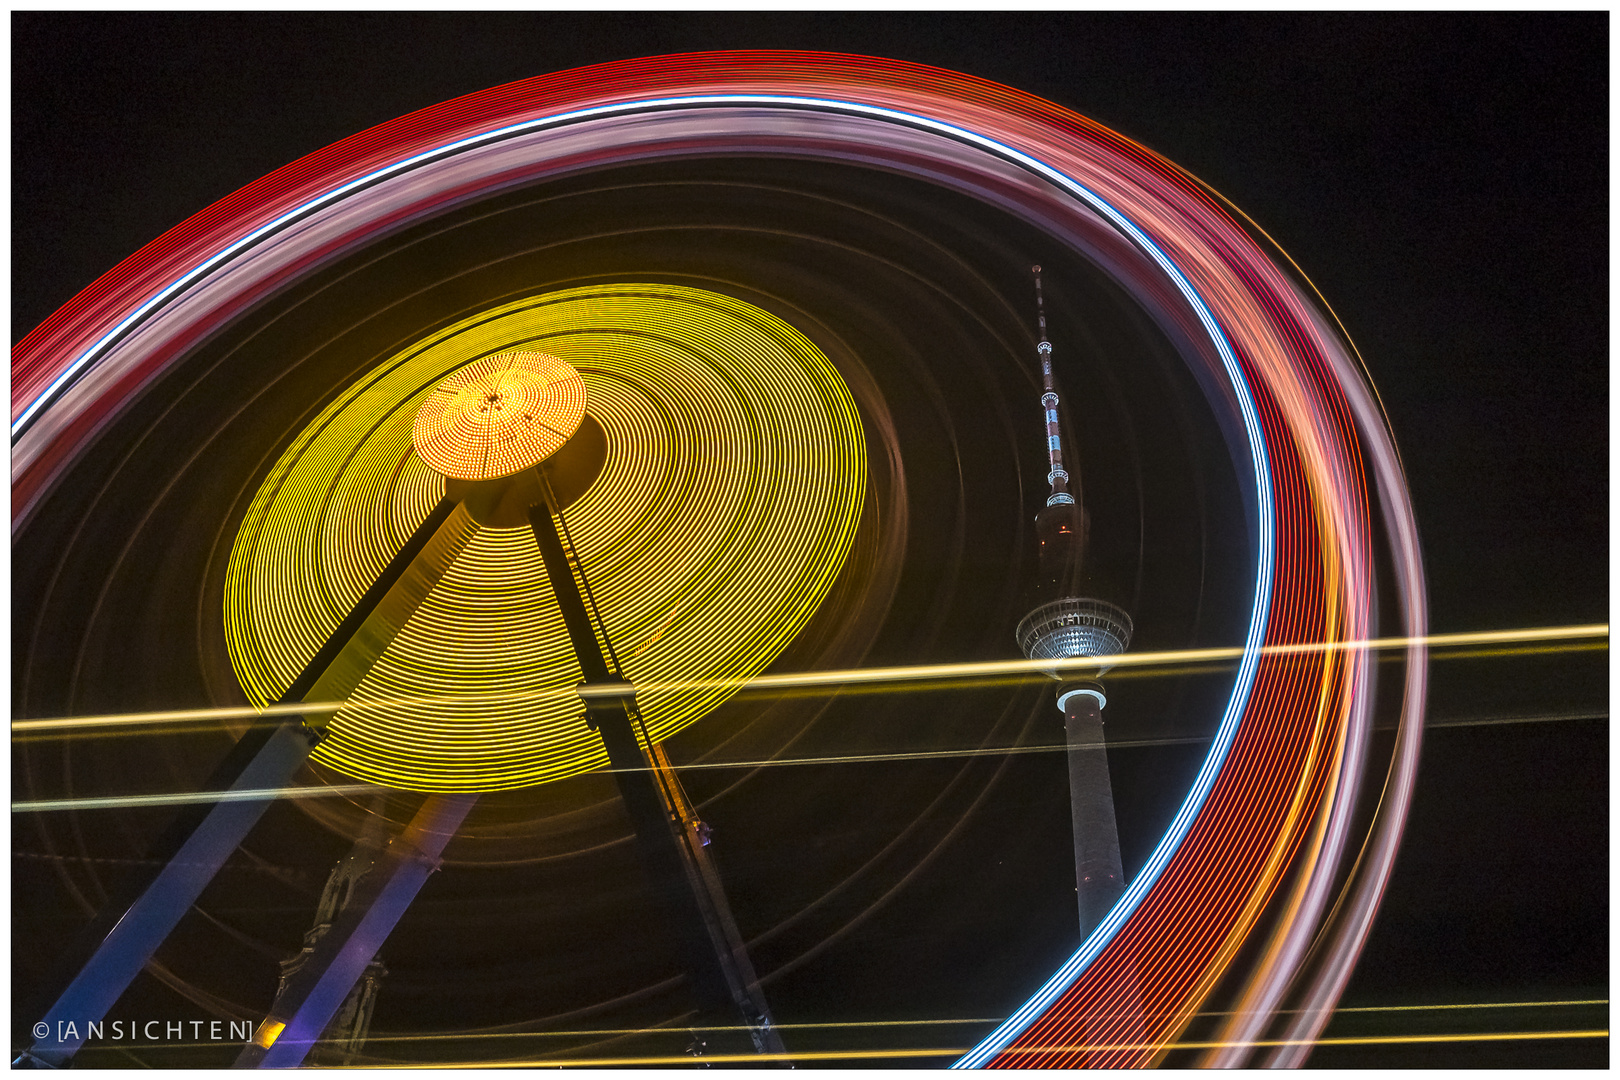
(835, 681)
(1269, 822)
(185, 798)
(645, 1061)
(182, 798)
(835, 1025)
(735, 464)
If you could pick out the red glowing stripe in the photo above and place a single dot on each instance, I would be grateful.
(1296, 615)
(40, 356)
(1144, 986)
(1266, 806)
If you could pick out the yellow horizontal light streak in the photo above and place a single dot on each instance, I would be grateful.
(1339, 1040)
(583, 1033)
(1472, 1005)
(838, 680)
(596, 1033)
(853, 1055)
(1527, 649)
(108, 802)
(1493, 721)
(681, 1059)
(992, 668)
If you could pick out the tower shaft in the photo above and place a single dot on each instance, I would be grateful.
(1099, 874)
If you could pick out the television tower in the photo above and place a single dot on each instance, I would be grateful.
(1063, 626)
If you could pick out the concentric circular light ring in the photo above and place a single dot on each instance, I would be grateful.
(1310, 397)
(729, 500)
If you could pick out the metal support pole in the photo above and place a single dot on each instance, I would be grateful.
(683, 882)
(150, 903)
(724, 937)
(313, 995)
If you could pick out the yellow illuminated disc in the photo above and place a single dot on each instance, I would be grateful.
(499, 415)
(735, 473)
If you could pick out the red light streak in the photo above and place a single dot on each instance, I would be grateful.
(1282, 802)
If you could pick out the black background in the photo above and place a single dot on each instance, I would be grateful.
(1442, 179)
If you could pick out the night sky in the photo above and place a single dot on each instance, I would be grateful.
(1442, 179)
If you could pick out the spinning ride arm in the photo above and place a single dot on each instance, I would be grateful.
(129, 929)
(682, 876)
(310, 998)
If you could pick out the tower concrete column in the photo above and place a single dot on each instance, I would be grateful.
(1068, 626)
(1099, 875)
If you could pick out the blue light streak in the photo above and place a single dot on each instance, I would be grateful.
(1167, 847)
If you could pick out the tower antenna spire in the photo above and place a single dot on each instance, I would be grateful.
(1056, 475)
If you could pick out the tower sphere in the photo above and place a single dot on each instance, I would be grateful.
(1074, 628)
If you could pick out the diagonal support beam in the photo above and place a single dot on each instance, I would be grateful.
(313, 995)
(703, 879)
(682, 877)
(151, 901)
